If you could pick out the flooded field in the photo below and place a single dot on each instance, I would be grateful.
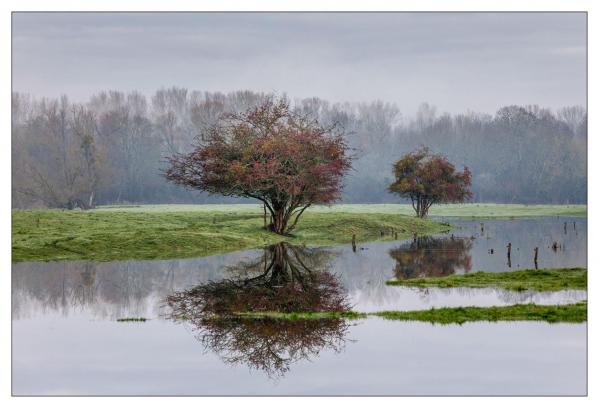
(66, 338)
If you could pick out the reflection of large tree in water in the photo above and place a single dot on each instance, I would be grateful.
(270, 345)
(284, 279)
(430, 256)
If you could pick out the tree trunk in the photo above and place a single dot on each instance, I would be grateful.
(283, 216)
(77, 203)
(91, 200)
(420, 207)
(279, 224)
(264, 205)
(423, 206)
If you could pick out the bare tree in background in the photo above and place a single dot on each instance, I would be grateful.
(576, 118)
(171, 118)
(86, 130)
(61, 167)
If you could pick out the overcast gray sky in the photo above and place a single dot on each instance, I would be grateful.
(454, 61)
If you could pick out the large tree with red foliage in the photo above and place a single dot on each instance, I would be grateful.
(269, 153)
(427, 179)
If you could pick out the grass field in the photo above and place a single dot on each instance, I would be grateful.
(571, 313)
(445, 210)
(179, 231)
(106, 235)
(528, 279)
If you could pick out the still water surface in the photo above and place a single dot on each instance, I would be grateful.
(66, 339)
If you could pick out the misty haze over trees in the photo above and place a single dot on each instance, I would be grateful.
(112, 148)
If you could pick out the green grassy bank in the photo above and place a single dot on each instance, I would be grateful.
(179, 231)
(571, 313)
(115, 234)
(527, 279)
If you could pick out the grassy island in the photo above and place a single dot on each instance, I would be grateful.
(121, 234)
(526, 279)
(570, 313)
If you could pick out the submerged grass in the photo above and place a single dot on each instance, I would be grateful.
(570, 313)
(303, 315)
(131, 319)
(116, 234)
(527, 279)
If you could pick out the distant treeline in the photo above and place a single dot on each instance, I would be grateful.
(111, 149)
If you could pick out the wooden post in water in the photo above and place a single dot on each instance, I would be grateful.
(565, 228)
(536, 257)
(353, 242)
(509, 254)
(574, 222)
(482, 228)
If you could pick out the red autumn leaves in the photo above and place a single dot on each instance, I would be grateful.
(290, 162)
(270, 154)
(428, 179)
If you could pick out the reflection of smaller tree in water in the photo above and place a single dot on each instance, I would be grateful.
(431, 256)
(284, 279)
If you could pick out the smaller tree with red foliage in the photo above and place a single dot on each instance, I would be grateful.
(429, 179)
(269, 153)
